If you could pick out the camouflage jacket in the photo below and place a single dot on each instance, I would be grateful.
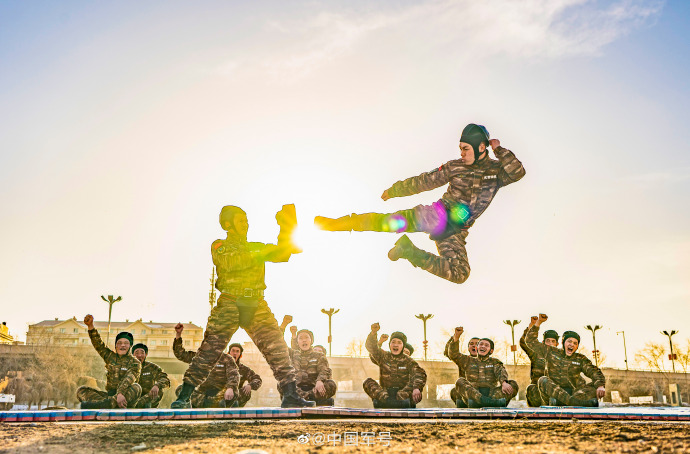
(396, 371)
(152, 374)
(474, 186)
(223, 375)
(537, 366)
(461, 369)
(562, 369)
(249, 376)
(121, 371)
(310, 367)
(481, 372)
(242, 265)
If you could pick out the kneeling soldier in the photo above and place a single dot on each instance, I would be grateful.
(314, 376)
(123, 369)
(219, 389)
(563, 384)
(401, 379)
(152, 379)
(249, 380)
(486, 382)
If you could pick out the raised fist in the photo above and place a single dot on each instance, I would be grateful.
(533, 320)
(385, 195)
(384, 338)
(88, 321)
(494, 143)
(293, 330)
(178, 329)
(458, 332)
(375, 327)
(542, 319)
(287, 320)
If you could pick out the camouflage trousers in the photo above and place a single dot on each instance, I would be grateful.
(451, 264)
(549, 389)
(534, 396)
(147, 401)
(307, 392)
(263, 330)
(375, 391)
(207, 398)
(466, 391)
(242, 399)
(85, 393)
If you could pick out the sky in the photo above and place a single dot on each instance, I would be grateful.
(125, 127)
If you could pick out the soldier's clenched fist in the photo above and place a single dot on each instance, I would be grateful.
(375, 327)
(542, 319)
(458, 332)
(88, 321)
(178, 330)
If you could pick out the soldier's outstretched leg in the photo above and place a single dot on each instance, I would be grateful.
(222, 324)
(451, 263)
(497, 393)
(264, 331)
(91, 398)
(374, 390)
(534, 396)
(586, 394)
(549, 389)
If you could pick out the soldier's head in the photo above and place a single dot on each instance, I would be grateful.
(234, 219)
(485, 347)
(305, 339)
(472, 346)
(408, 350)
(123, 341)
(571, 342)
(473, 142)
(550, 338)
(236, 351)
(320, 348)
(397, 342)
(140, 352)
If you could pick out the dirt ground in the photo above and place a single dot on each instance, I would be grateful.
(284, 437)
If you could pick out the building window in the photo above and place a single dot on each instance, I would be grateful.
(49, 330)
(152, 343)
(75, 330)
(143, 331)
(165, 331)
(164, 342)
(63, 330)
(83, 341)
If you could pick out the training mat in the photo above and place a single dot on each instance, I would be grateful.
(602, 413)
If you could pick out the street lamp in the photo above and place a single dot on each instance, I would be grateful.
(513, 347)
(424, 318)
(672, 356)
(595, 352)
(110, 302)
(625, 350)
(330, 313)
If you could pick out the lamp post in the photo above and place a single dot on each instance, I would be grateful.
(110, 302)
(625, 350)
(330, 313)
(424, 318)
(595, 352)
(513, 347)
(672, 356)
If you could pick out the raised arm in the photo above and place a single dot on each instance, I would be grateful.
(511, 169)
(453, 349)
(532, 339)
(424, 182)
(372, 345)
(105, 353)
(523, 338)
(180, 353)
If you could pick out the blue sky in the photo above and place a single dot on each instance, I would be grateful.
(124, 129)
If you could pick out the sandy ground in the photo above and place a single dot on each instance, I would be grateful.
(283, 437)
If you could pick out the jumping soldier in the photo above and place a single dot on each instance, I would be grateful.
(241, 269)
(486, 382)
(123, 370)
(472, 349)
(401, 378)
(152, 379)
(219, 389)
(473, 182)
(249, 380)
(314, 377)
(562, 384)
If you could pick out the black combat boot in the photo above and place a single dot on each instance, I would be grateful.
(292, 400)
(104, 404)
(594, 402)
(183, 399)
(328, 402)
(460, 403)
(489, 402)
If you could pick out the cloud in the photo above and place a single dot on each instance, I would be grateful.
(461, 30)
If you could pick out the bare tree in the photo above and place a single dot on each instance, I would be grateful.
(651, 357)
(355, 347)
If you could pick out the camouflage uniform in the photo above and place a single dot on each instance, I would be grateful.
(483, 376)
(471, 189)
(151, 374)
(461, 371)
(211, 392)
(563, 380)
(241, 269)
(121, 377)
(247, 375)
(310, 367)
(399, 374)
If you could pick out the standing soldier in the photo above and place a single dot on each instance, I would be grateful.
(473, 182)
(537, 363)
(562, 384)
(123, 369)
(152, 379)
(241, 268)
(249, 380)
(401, 378)
(472, 349)
(486, 382)
(314, 377)
(219, 389)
